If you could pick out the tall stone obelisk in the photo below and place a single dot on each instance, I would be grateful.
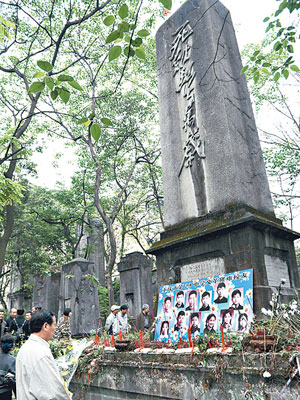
(215, 158)
(219, 215)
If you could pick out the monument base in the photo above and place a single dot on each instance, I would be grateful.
(233, 239)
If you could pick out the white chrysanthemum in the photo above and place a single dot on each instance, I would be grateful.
(264, 311)
(266, 374)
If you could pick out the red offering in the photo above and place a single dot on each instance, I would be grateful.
(97, 341)
(120, 335)
(223, 341)
(190, 337)
(113, 341)
(141, 339)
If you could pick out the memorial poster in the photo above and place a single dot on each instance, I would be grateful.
(204, 305)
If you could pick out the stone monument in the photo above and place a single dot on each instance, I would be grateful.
(219, 216)
(91, 247)
(46, 292)
(18, 297)
(136, 287)
(78, 292)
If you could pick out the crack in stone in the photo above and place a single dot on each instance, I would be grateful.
(237, 107)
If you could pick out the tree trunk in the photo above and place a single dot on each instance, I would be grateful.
(111, 294)
(8, 228)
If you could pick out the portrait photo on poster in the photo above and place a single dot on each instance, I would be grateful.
(179, 299)
(203, 306)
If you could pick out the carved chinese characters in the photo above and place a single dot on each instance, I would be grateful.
(184, 75)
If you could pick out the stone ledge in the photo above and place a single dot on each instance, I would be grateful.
(228, 219)
(177, 376)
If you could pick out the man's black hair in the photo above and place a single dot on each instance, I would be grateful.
(236, 291)
(39, 318)
(181, 292)
(67, 311)
(220, 285)
(124, 307)
(180, 313)
(28, 312)
(205, 294)
(192, 292)
(7, 343)
(168, 298)
(193, 315)
(20, 311)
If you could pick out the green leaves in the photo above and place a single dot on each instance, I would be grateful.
(123, 11)
(95, 128)
(39, 74)
(294, 68)
(277, 46)
(114, 52)
(96, 131)
(112, 36)
(129, 52)
(52, 84)
(75, 85)
(276, 76)
(109, 20)
(124, 32)
(45, 65)
(140, 53)
(65, 78)
(54, 94)
(64, 94)
(256, 76)
(49, 82)
(36, 87)
(276, 62)
(106, 121)
(244, 69)
(167, 4)
(143, 33)
(137, 42)
(82, 121)
(285, 73)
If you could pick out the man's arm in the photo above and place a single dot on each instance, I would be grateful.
(108, 323)
(46, 383)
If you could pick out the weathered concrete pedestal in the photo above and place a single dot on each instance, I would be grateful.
(127, 376)
(234, 239)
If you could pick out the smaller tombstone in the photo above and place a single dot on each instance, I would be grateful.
(136, 286)
(18, 297)
(91, 247)
(78, 292)
(95, 242)
(46, 292)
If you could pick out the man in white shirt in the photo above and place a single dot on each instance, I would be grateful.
(112, 325)
(36, 372)
(123, 319)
